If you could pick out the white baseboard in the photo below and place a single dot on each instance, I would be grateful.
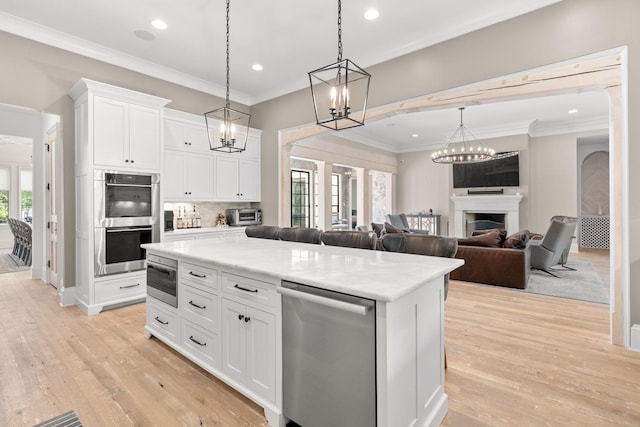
(635, 338)
(67, 296)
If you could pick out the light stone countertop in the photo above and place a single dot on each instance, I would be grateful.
(182, 231)
(377, 275)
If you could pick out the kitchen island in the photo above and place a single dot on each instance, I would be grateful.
(228, 317)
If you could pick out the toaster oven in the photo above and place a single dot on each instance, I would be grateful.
(246, 216)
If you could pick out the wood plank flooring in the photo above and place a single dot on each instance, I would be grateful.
(515, 359)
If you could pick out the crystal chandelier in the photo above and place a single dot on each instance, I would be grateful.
(462, 148)
(337, 88)
(233, 124)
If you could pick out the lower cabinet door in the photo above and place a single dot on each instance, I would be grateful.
(201, 343)
(261, 353)
(234, 333)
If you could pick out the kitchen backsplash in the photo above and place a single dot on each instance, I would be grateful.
(208, 210)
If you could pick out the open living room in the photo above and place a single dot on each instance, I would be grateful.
(175, 270)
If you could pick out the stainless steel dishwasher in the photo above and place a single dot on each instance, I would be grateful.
(329, 357)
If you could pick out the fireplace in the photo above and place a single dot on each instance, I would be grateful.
(483, 221)
(508, 206)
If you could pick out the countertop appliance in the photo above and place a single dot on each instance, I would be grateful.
(329, 357)
(168, 220)
(162, 279)
(126, 215)
(246, 216)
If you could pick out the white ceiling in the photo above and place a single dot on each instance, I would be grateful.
(290, 38)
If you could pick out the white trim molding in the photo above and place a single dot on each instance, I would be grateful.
(635, 338)
(67, 296)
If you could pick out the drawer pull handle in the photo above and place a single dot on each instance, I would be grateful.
(160, 321)
(201, 276)
(245, 289)
(201, 307)
(130, 286)
(197, 342)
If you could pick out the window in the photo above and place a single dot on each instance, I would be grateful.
(335, 198)
(300, 200)
(26, 195)
(5, 185)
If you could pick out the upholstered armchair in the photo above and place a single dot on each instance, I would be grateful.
(400, 221)
(565, 252)
(549, 251)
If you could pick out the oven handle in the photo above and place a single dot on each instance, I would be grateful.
(119, 230)
(129, 185)
(164, 268)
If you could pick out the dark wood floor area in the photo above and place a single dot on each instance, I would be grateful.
(515, 359)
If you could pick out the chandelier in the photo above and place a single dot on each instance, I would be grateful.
(337, 88)
(462, 148)
(233, 124)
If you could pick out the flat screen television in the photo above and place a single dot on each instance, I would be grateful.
(501, 172)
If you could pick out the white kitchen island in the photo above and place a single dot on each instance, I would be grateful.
(224, 282)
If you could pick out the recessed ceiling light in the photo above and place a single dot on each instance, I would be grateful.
(415, 135)
(257, 67)
(573, 111)
(159, 24)
(371, 14)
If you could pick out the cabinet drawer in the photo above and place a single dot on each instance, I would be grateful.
(200, 277)
(202, 344)
(162, 318)
(199, 306)
(119, 290)
(249, 289)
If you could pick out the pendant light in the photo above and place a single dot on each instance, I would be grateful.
(463, 148)
(232, 125)
(340, 90)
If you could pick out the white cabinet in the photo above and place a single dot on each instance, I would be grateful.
(115, 129)
(187, 176)
(183, 135)
(249, 347)
(125, 135)
(248, 333)
(237, 178)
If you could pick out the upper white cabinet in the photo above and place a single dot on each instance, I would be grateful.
(186, 136)
(187, 176)
(229, 178)
(237, 176)
(125, 135)
(122, 128)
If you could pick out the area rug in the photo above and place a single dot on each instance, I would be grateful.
(583, 284)
(10, 263)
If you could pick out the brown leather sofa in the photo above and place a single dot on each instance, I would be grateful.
(502, 266)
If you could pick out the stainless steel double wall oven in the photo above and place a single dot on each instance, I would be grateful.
(126, 207)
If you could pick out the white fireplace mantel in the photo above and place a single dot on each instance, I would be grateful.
(487, 203)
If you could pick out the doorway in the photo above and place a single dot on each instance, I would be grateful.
(41, 129)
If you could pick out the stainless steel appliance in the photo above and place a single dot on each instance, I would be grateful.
(162, 279)
(246, 216)
(126, 208)
(329, 357)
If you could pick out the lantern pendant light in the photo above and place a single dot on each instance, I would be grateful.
(340, 90)
(233, 125)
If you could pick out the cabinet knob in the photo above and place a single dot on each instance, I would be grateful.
(186, 143)
(126, 161)
(131, 161)
(246, 319)
(240, 316)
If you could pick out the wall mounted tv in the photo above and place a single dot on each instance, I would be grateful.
(504, 171)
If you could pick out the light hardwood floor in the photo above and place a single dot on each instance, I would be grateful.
(515, 359)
